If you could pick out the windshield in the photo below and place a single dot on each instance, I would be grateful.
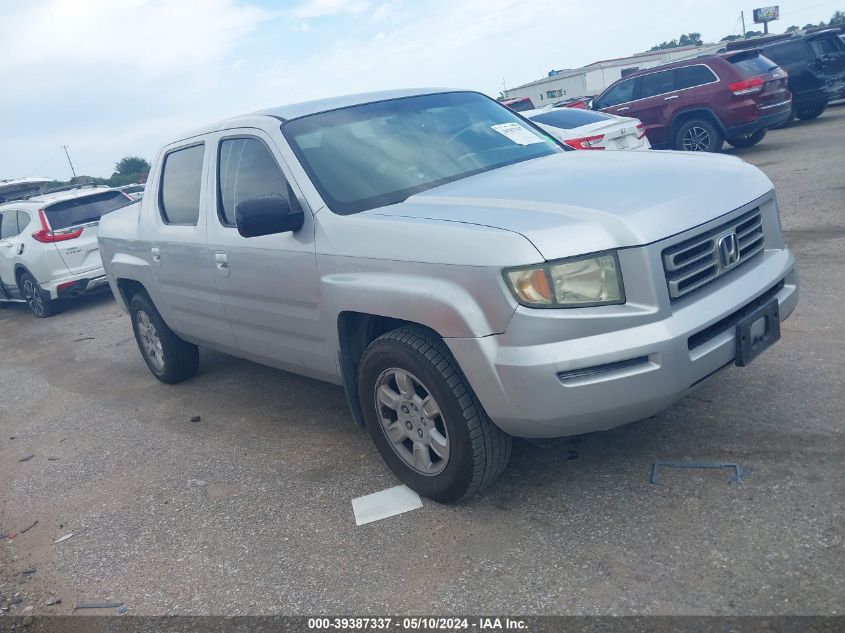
(376, 154)
(77, 211)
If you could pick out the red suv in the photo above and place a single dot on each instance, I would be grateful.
(696, 104)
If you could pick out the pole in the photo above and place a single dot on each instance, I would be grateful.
(73, 171)
(742, 17)
(766, 27)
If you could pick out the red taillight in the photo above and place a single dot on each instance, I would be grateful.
(640, 131)
(47, 235)
(587, 142)
(746, 86)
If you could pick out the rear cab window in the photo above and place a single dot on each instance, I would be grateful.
(84, 210)
(181, 184)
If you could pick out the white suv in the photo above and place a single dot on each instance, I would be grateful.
(48, 246)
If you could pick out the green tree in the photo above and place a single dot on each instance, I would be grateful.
(837, 18)
(129, 169)
(792, 29)
(131, 165)
(687, 39)
(731, 38)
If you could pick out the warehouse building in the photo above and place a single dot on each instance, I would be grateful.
(593, 78)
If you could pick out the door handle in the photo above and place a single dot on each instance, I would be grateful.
(156, 255)
(221, 261)
(622, 109)
(671, 97)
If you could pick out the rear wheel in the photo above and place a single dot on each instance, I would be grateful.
(806, 113)
(749, 139)
(169, 358)
(38, 300)
(425, 419)
(699, 135)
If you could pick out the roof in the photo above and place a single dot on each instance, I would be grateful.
(296, 110)
(67, 194)
(305, 108)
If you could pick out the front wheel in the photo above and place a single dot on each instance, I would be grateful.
(699, 135)
(749, 139)
(169, 358)
(425, 419)
(38, 300)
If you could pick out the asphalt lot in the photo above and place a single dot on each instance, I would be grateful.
(248, 511)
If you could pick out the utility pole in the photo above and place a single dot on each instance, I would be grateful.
(73, 171)
(742, 17)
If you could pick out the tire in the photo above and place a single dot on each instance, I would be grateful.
(475, 451)
(38, 300)
(169, 358)
(699, 135)
(810, 112)
(749, 139)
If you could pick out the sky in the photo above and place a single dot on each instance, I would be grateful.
(110, 78)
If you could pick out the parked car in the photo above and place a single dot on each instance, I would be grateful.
(815, 63)
(464, 277)
(584, 129)
(696, 104)
(48, 246)
(134, 191)
(572, 102)
(519, 104)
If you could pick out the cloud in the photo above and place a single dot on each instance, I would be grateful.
(322, 8)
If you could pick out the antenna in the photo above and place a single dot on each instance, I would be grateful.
(73, 171)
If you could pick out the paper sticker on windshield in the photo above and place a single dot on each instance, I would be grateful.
(517, 133)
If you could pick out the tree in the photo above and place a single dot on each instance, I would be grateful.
(129, 169)
(132, 165)
(753, 33)
(687, 39)
(808, 26)
(837, 18)
(731, 38)
(792, 29)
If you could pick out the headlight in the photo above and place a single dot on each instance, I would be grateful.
(593, 280)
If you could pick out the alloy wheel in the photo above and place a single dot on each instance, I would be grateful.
(32, 294)
(412, 422)
(696, 139)
(150, 341)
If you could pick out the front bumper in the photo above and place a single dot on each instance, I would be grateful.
(599, 381)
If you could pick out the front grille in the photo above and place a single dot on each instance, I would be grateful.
(697, 261)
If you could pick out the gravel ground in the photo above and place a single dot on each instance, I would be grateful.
(248, 510)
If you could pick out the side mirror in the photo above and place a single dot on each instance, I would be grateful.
(267, 215)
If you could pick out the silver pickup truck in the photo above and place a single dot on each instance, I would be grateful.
(463, 276)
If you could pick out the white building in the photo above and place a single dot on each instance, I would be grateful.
(593, 78)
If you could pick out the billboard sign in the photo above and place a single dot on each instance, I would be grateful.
(766, 14)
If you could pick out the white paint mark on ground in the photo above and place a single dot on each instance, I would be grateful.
(63, 538)
(386, 503)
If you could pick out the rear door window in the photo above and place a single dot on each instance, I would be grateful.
(66, 213)
(181, 183)
(246, 169)
(657, 84)
(8, 225)
(692, 76)
(620, 93)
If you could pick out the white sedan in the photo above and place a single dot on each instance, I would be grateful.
(586, 129)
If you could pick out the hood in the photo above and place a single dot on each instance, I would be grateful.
(581, 201)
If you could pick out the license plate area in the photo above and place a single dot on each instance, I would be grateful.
(757, 332)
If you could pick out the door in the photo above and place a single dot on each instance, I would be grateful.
(617, 99)
(178, 251)
(658, 100)
(10, 245)
(268, 284)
